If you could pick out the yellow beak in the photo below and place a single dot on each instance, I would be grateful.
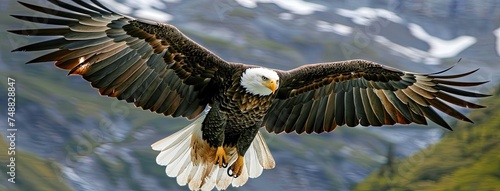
(271, 84)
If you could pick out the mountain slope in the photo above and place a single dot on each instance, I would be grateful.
(466, 159)
(31, 172)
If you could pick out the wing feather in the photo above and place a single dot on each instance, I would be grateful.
(388, 105)
(303, 116)
(290, 122)
(72, 7)
(418, 116)
(311, 119)
(415, 96)
(370, 115)
(54, 12)
(151, 64)
(360, 110)
(339, 108)
(322, 96)
(376, 105)
(350, 113)
(44, 45)
(318, 121)
(111, 72)
(44, 20)
(459, 92)
(398, 105)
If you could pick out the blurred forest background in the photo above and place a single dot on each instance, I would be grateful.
(70, 138)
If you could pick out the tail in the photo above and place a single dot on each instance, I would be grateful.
(189, 158)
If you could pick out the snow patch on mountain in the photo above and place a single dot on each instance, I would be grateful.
(415, 55)
(339, 29)
(440, 48)
(147, 9)
(298, 7)
(153, 14)
(365, 15)
(497, 34)
(117, 6)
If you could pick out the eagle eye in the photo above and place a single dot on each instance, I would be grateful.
(265, 78)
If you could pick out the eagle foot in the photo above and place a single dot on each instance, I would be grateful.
(220, 157)
(237, 167)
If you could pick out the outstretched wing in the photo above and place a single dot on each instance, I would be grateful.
(319, 97)
(151, 64)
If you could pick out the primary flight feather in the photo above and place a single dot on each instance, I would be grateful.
(156, 67)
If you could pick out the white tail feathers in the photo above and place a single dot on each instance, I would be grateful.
(189, 158)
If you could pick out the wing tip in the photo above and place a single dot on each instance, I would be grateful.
(19, 49)
(445, 125)
(16, 16)
(445, 70)
(18, 32)
(476, 106)
(24, 3)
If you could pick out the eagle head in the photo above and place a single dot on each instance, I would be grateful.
(260, 81)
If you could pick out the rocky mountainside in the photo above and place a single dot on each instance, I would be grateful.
(97, 143)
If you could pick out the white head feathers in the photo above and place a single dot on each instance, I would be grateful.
(260, 81)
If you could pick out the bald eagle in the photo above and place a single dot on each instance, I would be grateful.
(156, 67)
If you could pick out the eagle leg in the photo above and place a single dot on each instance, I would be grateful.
(237, 167)
(220, 157)
(213, 132)
(242, 145)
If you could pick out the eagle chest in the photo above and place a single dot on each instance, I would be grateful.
(240, 101)
(248, 103)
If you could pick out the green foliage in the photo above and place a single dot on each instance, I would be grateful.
(31, 172)
(465, 159)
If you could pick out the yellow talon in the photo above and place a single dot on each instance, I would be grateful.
(237, 168)
(220, 157)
